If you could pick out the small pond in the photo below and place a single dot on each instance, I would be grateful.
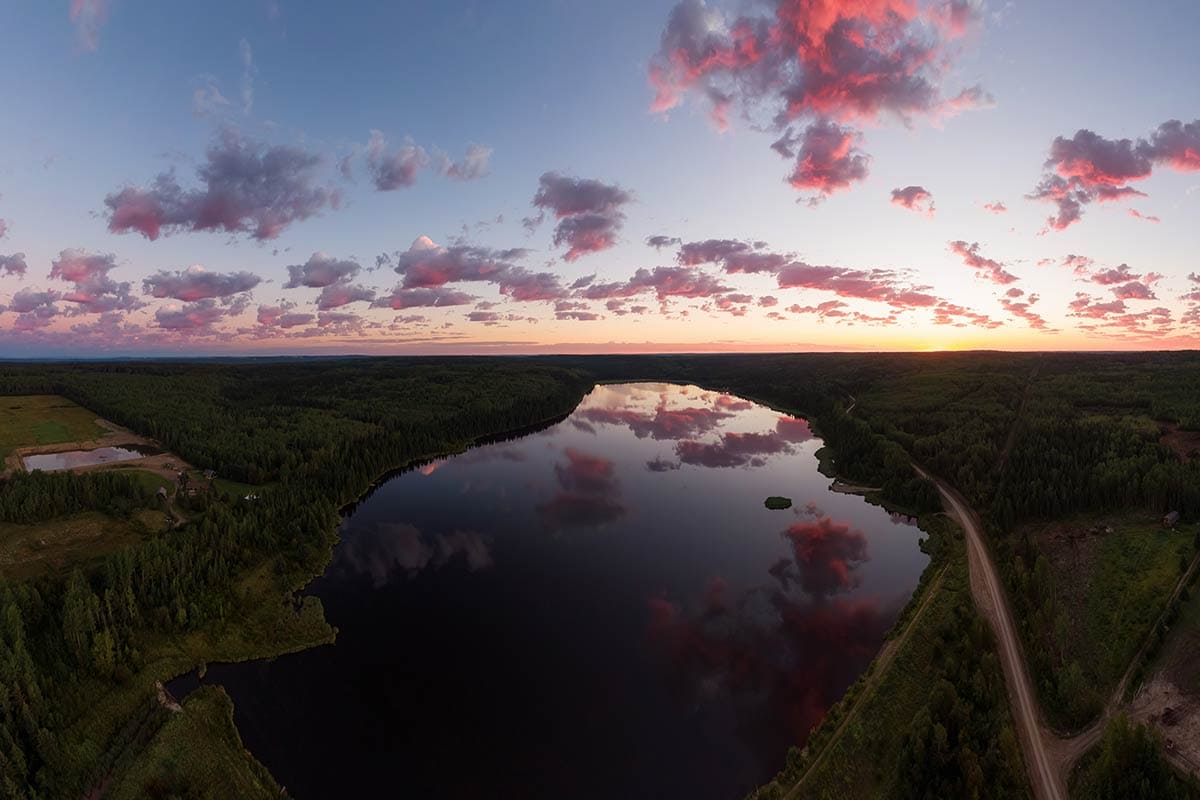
(605, 608)
(52, 462)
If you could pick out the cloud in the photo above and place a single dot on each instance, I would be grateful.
(88, 17)
(590, 492)
(13, 264)
(792, 429)
(659, 242)
(733, 450)
(1088, 167)
(664, 424)
(191, 318)
(248, 72)
(246, 187)
(473, 165)
(995, 208)
(197, 283)
(400, 549)
(321, 270)
(402, 298)
(828, 61)
(733, 255)
(30, 301)
(1119, 274)
(340, 294)
(3, 228)
(1133, 212)
(1134, 290)
(826, 554)
(914, 198)
(396, 169)
(588, 212)
(828, 160)
(94, 292)
(427, 264)
(1176, 144)
(1021, 309)
(207, 100)
(987, 268)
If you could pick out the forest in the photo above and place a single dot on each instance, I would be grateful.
(1023, 436)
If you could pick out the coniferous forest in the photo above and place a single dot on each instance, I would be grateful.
(1023, 437)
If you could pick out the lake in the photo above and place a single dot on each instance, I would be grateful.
(52, 462)
(601, 609)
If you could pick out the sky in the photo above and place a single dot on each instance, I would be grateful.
(247, 177)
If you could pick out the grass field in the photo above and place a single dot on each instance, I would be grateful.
(44, 419)
(28, 550)
(197, 754)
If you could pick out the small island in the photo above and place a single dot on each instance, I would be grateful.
(776, 503)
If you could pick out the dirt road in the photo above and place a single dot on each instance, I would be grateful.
(1047, 782)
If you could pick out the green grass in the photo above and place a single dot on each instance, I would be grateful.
(44, 419)
(197, 754)
(28, 550)
(151, 481)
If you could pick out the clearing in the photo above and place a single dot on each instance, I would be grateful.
(28, 550)
(1109, 578)
(1170, 698)
(39, 420)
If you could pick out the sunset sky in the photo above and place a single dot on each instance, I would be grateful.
(278, 176)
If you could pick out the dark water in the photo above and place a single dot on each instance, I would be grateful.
(603, 609)
(52, 462)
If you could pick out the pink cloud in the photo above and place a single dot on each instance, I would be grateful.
(427, 264)
(402, 298)
(914, 198)
(197, 283)
(830, 60)
(1088, 167)
(247, 187)
(588, 212)
(996, 208)
(987, 268)
(394, 169)
(827, 160)
(341, 294)
(321, 270)
(94, 291)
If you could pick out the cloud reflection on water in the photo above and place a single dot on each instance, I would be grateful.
(394, 549)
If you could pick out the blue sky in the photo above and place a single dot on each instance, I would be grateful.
(563, 86)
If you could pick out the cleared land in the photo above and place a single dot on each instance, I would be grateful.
(38, 420)
(28, 550)
(1108, 579)
(1170, 698)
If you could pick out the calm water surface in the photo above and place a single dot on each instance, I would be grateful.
(52, 462)
(603, 609)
